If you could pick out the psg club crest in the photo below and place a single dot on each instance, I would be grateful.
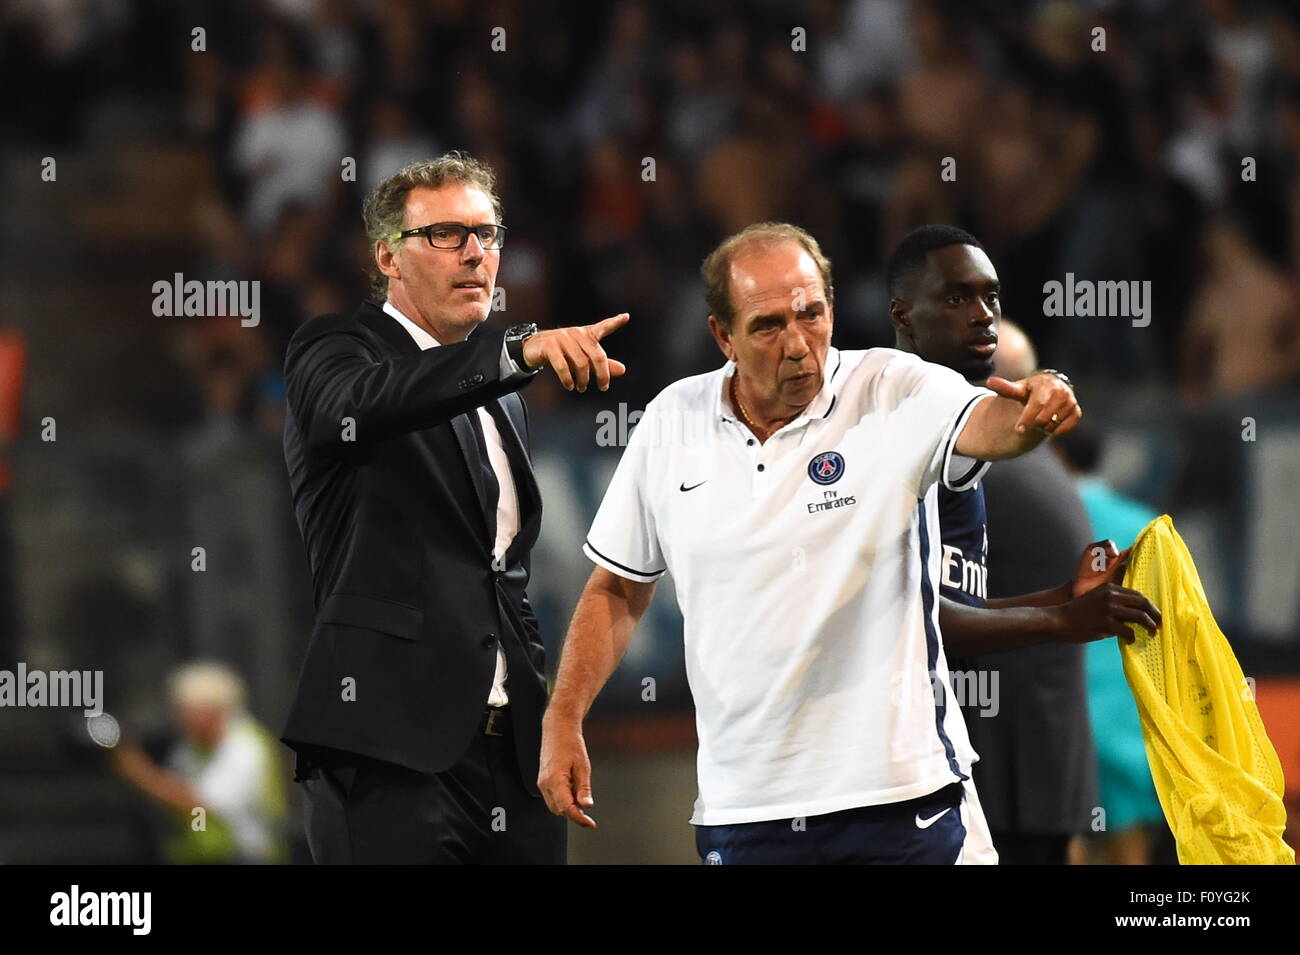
(826, 468)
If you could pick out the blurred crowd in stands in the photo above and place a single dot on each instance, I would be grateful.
(1151, 141)
(630, 137)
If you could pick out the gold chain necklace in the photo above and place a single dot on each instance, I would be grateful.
(744, 412)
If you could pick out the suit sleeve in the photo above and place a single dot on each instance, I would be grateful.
(344, 396)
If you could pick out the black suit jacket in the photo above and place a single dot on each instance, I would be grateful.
(388, 492)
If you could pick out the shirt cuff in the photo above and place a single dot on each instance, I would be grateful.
(622, 570)
(510, 370)
(958, 472)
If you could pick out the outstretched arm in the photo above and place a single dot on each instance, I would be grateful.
(343, 397)
(1092, 606)
(1019, 418)
(131, 763)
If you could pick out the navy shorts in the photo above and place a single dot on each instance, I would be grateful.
(924, 831)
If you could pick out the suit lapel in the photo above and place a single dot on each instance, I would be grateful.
(400, 340)
(464, 431)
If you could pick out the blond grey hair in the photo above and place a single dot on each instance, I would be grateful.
(206, 683)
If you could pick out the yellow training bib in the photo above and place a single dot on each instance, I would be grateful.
(1215, 771)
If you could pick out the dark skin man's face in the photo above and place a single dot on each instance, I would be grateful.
(947, 311)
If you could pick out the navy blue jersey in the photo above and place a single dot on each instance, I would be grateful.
(963, 574)
(1037, 771)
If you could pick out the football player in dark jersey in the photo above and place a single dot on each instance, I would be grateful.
(1031, 730)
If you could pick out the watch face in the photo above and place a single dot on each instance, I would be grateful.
(516, 332)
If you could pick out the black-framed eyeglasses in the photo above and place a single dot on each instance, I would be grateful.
(454, 235)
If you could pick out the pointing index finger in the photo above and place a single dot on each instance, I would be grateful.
(605, 326)
(1014, 390)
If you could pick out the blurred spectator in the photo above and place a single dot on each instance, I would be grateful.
(290, 142)
(226, 764)
(334, 28)
(699, 109)
(616, 100)
(939, 99)
(395, 140)
(1243, 330)
(52, 47)
(614, 204)
(860, 43)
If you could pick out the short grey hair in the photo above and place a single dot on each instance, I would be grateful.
(716, 270)
(384, 210)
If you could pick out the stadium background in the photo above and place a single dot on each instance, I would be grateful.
(1124, 164)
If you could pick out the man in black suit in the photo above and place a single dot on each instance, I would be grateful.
(417, 718)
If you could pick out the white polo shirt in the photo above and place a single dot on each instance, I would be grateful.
(806, 569)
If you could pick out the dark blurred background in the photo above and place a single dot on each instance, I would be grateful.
(628, 139)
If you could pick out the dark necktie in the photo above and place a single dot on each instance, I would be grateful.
(490, 485)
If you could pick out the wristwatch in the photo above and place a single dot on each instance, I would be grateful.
(1059, 374)
(516, 335)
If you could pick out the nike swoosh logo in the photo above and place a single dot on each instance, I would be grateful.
(692, 487)
(927, 823)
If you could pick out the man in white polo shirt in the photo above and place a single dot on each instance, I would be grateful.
(787, 493)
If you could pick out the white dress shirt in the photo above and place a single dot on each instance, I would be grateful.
(507, 500)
